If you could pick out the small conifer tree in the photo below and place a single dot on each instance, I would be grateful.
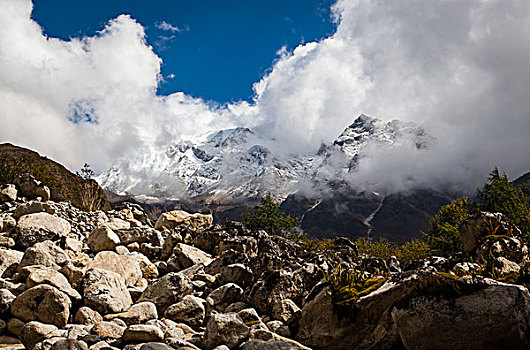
(268, 216)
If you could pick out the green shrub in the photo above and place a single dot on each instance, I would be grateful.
(500, 195)
(382, 248)
(268, 216)
(444, 236)
(348, 286)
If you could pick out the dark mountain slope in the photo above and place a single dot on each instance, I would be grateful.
(63, 184)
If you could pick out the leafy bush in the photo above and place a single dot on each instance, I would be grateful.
(348, 286)
(444, 235)
(268, 216)
(500, 195)
(382, 248)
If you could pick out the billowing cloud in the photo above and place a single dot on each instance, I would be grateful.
(458, 68)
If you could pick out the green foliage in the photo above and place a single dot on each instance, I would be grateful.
(297, 236)
(500, 195)
(382, 248)
(268, 216)
(348, 286)
(444, 236)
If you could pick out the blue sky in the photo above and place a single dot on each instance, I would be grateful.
(457, 68)
(221, 47)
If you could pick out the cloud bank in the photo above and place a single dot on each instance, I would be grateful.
(458, 68)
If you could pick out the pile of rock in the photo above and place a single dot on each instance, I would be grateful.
(76, 280)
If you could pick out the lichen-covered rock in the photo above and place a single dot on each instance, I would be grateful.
(105, 291)
(225, 329)
(102, 238)
(39, 227)
(125, 266)
(42, 303)
(167, 290)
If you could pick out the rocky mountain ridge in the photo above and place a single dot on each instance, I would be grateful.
(71, 279)
(239, 162)
(227, 171)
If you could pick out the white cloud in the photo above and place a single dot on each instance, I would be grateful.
(170, 27)
(459, 68)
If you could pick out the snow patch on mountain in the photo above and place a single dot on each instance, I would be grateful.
(237, 162)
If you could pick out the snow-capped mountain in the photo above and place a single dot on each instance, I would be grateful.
(237, 162)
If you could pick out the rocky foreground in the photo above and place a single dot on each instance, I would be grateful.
(102, 280)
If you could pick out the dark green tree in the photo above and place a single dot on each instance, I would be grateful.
(500, 195)
(268, 216)
(444, 235)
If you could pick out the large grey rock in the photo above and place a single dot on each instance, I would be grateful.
(33, 207)
(46, 275)
(268, 336)
(225, 329)
(274, 286)
(138, 313)
(167, 290)
(126, 266)
(31, 188)
(149, 270)
(185, 256)
(8, 193)
(108, 330)
(190, 310)
(140, 235)
(322, 326)
(140, 333)
(497, 317)
(46, 254)
(35, 332)
(7, 222)
(6, 299)
(87, 316)
(286, 311)
(174, 218)
(105, 291)
(42, 303)
(9, 260)
(236, 273)
(102, 238)
(223, 296)
(39, 227)
(69, 344)
(481, 225)
(257, 344)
